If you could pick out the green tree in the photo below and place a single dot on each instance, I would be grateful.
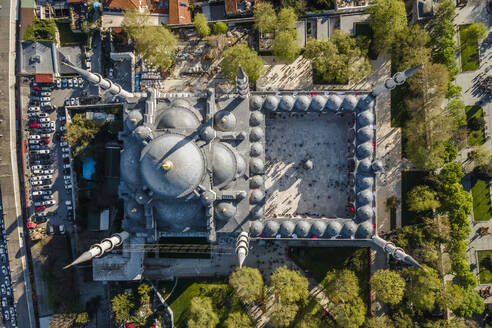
(265, 17)
(201, 24)
(286, 19)
(220, 28)
(41, 30)
(472, 303)
(82, 318)
(387, 19)
(410, 48)
(247, 283)
(134, 22)
(474, 33)
(450, 296)
(121, 305)
(480, 155)
(238, 320)
(378, 322)
(63, 320)
(422, 198)
(285, 46)
(300, 6)
(143, 291)
(202, 314)
(350, 314)
(283, 314)
(338, 60)
(388, 285)
(241, 55)
(456, 108)
(290, 285)
(422, 288)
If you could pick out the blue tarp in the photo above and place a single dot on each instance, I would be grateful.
(88, 168)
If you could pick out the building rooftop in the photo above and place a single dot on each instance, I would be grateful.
(38, 58)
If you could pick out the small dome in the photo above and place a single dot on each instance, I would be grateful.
(348, 229)
(133, 210)
(364, 166)
(271, 103)
(208, 133)
(364, 197)
(365, 213)
(365, 134)
(366, 103)
(365, 230)
(256, 166)
(271, 228)
(256, 118)
(143, 133)
(365, 118)
(308, 165)
(333, 229)
(256, 102)
(318, 228)
(364, 182)
(178, 213)
(349, 103)
(178, 118)
(287, 228)
(256, 181)
(258, 212)
(302, 103)
(133, 119)
(256, 134)
(240, 165)
(256, 196)
(225, 120)
(333, 103)
(302, 229)
(257, 149)
(256, 228)
(225, 210)
(286, 103)
(224, 164)
(207, 197)
(318, 103)
(377, 166)
(129, 164)
(364, 150)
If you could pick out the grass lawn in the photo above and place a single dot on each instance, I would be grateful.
(475, 138)
(409, 180)
(481, 200)
(469, 52)
(223, 299)
(67, 37)
(485, 266)
(317, 261)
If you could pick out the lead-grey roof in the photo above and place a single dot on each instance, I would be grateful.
(178, 117)
(287, 228)
(365, 118)
(364, 197)
(365, 150)
(318, 103)
(38, 58)
(302, 229)
(318, 228)
(224, 164)
(225, 210)
(302, 103)
(286, 103)
(225, 120)
(365, 134)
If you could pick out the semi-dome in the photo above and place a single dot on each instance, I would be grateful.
(224, 164)
(240, 165)
(364, 197)
(256, 228)
(256, 196)
(364, 181)
(178, 213)
(365, 213)
(348, 229)
(318, 103)
(287, 228)
(333, 229)
(302, 103)
(178, 118)
(318, 228)
(133, 210)
(333, 103)
(286, 103)
(256, 166)
(256, 149)
(271, 228)
(256, 134)
(365, 118)
(133, 119)
(172, 165)
(365, 134)
(256, 102)
(225, 210)
(349, 103)
(129, 163)
(302, 229)
(225, 120)
(364, 150)
(256, 181)
(256, 118)
(364, 166)
(271, 103)
(365, 230)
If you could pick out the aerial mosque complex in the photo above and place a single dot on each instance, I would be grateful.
(234, 169)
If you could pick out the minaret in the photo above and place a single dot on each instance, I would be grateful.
(242, 83)
(398, 79)
(97, 250)
(242, 247)
(397, 253)
(98, 80)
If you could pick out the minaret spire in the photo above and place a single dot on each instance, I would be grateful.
(242, 83)
(97, 250)
(397, 253)
(398, 79)
(242, 247)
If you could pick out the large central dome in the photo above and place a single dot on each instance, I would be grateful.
(172, 165)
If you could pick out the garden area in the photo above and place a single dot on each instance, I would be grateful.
(476, 125)
(481, 200)
(69, 38)
(469, 50)
(41, 30)
(409, 180)
(485, 266)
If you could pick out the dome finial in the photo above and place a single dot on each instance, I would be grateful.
(167, 165)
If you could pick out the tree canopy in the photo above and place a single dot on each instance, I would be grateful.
(41, 30)
(410, 48)
(283, 314)
(238, 320)
(286, 19)
(422, 288)
(378, 322)
(265, 17)
(387, 19)
(422, 198)
(200, 22)
(290, 285)
(449, 297)
(241, 55)
(474, 33)
(472, 303)
(121, 305)
(220, 28)
(247, 284)
(285, 46)
(202, 314)
(388, 285)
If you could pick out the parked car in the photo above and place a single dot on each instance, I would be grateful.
(67, 177)
(36, 167)
(68, 187)
(44, 119)
(45, 104)
(67, 102)
(72, 101)
(75, 82)
(64, 144)
(46, 93)
(34, 141)
(34, 109)
(35, 183)
(66, 171)
(81, 82)
(63, 129)
(64, 83)
(34, 136)
(65, 149)
(50, 230)
(48, 197)
(65, 155)
(61, 229)
(70, 83)
(40, 208)
(42, 114)
(67, 182)
(49, 202)
(49, 171)
(110, 73)
(66, 166)
(58, 83)
(45, 99)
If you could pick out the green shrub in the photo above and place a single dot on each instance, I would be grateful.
(220, 28)
(476, 123)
